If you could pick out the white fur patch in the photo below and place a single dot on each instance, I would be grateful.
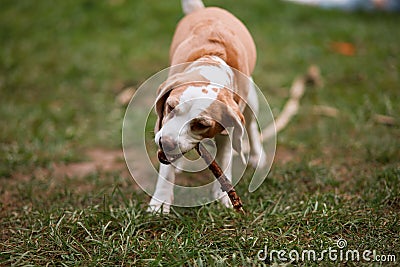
(222, 74)
(200, 92)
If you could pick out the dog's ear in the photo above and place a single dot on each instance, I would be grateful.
(238, 122)
(162, 95)
(163, 92)
(232, 117)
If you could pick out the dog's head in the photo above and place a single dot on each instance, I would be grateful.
(190, 112)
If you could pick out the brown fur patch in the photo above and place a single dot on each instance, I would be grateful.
(228, 97)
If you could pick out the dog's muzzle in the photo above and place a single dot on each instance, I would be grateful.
(162, 157)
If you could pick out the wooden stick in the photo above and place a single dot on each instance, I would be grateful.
(226, 185)
(292, 105)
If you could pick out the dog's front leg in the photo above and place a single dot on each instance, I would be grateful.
(164, 193)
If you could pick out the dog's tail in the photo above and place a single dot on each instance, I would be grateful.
(190, 6)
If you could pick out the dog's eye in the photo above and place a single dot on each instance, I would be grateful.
(200, 125)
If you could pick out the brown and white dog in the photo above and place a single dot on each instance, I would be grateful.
(205, 98)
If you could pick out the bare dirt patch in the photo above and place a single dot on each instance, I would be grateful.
(284, 155)
(99, 161)
(105, 163)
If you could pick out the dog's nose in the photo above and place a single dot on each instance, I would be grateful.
(167, 144)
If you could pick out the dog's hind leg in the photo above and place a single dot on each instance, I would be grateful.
(257, 153)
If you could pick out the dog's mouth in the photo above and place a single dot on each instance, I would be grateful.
(167, 160)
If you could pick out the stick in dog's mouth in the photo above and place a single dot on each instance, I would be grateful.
(163, 158)
(167, 160)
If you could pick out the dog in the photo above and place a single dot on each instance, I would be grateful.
(204, 97)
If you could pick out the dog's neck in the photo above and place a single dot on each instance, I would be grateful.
(205, 69)
(213, 69)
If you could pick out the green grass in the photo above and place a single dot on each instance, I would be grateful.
(62, 64)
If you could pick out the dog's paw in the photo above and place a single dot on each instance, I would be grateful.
(158, 207)
(225, 201)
